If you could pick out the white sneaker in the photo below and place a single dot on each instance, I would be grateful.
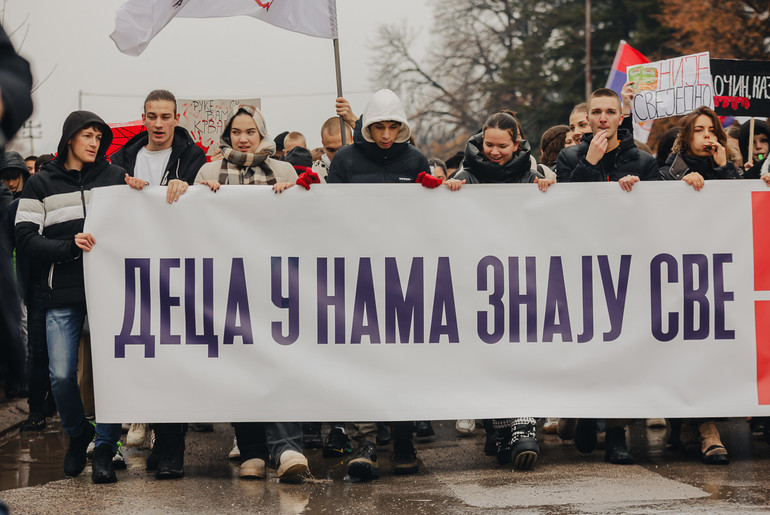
(90, 449)
(465, 426)
(235, 452)
(136, 434)
(293, 467)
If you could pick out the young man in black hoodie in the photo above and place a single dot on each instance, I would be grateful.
(165, 154)
(49, 225)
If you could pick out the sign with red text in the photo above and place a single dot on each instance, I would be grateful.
(741, 88)
(205, 119)
(345, 302)
(672, 87)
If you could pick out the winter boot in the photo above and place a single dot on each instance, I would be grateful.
(714, 453)
(616, 450)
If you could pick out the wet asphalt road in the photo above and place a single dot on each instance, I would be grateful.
(455, 477)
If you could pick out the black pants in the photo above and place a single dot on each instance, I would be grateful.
(39, 382)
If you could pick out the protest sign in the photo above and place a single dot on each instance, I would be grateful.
(206, 119)
(345, 303)
(741, 88)
(672, 87)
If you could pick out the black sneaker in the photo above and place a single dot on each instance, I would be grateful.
(585, 435)
(337, 444)
(75, 459)
(33, 423)
(311, 436)
(101, 466)
(490, 442)
(616, 450)
(504, 451)
(363, 464)
(383, 434)
(404, 457)
(119, 461)
(153, 459)
(171, 464)
(425, 430)
(524, 447)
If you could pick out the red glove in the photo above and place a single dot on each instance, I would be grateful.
(307, 178)
(428, 181)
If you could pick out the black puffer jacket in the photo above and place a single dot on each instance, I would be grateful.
(625, 159)
(55, 199)
(183, 164)
(365, 162)
(477, 169)
(679, 165)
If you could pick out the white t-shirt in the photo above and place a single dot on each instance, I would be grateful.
(151, 166)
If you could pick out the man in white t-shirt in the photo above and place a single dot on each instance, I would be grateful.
(164, 154)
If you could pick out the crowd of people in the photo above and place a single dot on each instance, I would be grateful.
(45, 203)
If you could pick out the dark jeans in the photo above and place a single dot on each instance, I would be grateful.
(39, 382)
(63, 329)
(265, 439)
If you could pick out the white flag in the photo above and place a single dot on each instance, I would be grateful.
(138, 21)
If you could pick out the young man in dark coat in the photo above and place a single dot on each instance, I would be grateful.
(609, 152)
(49, 225)
(165, 154)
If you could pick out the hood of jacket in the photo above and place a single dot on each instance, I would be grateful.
(77, 121)
(760, 127)
(488, 172)
(385, 106)
(14, 161)
(267, 145)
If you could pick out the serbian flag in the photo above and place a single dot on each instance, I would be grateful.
(628, 56)
(625, 57)
(138, 21)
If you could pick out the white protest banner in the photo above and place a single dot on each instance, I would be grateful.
(205, 119)
(672, 87)
(347, 302)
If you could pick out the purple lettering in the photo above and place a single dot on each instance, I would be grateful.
(291, 302)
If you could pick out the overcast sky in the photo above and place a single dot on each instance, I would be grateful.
(292, 73)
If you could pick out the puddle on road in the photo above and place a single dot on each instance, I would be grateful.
(34, 458)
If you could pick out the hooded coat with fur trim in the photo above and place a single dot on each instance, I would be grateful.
(365, 162)
(55, 200)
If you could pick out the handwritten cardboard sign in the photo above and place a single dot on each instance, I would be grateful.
(671, 87)
(741, 88)
(206, 118)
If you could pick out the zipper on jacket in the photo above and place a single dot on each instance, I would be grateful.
(82, 193)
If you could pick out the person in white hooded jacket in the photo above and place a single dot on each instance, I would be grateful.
(380, 152)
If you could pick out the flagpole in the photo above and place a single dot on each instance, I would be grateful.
(751, 140)
(339, 84)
